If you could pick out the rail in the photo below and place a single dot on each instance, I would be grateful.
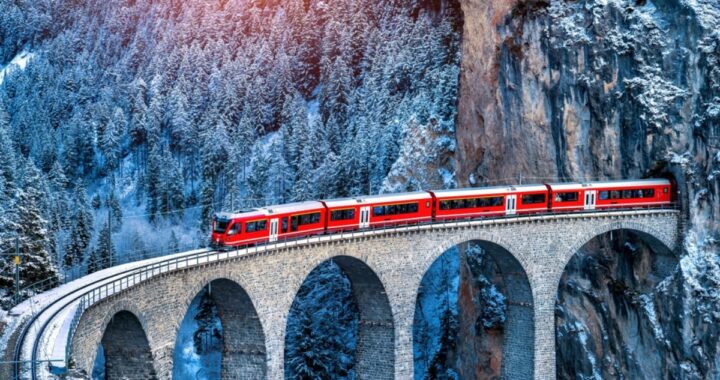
(136, 276)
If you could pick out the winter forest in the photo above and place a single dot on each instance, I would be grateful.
(132, 122)
(125, 124)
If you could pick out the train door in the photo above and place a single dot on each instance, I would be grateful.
(590, 196)
(510, 204)
(365, 217)
(273, 229)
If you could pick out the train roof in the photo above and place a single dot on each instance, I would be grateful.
(474, 191)
(272, 210)
(291, 207)
(382, 198)
(609, 184)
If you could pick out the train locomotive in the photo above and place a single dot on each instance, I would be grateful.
(302, 219)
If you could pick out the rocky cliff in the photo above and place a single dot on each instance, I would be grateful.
(602, 89)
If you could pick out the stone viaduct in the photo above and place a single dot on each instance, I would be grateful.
(254, 292)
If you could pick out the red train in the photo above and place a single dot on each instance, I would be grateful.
(268, 224)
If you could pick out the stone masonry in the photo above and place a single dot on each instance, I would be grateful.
(385, 268)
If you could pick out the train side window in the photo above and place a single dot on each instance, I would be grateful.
(260, 225)
(293, 223)
(444, 205)
(378, 210)
(498, 201)
(413, 207)
(342, 214)
(615, 194)
(402, 209)
(637, 193)
(250, 226)
(566, 197)
(533, 198)
(649, 193)
(626, 194)
(604, 195)
(284, 224)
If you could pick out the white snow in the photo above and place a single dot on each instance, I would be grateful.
(18, 63)
(649, 307)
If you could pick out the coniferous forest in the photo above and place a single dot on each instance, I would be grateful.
(128, 123)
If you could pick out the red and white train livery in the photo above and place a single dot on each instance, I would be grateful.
(268, 224)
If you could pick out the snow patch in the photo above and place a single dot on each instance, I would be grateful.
(19, 62)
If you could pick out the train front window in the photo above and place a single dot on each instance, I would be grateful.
(221, 226)
(235, 228)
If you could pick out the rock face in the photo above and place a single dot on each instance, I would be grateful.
(605, 89)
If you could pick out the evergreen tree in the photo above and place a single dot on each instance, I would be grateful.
(153, 183)
(32, 228)
(322, 327)
(174, 242)
(104, 254)
(115, 211)
(172, 197)
(81, 231)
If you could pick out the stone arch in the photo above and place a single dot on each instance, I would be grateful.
(660, 241)
(126, 348)
(593, 294)
(244, 352)
(519, 328)
(375, 355)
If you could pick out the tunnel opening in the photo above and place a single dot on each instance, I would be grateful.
(614, 308)
(340, 324)
(474, 316)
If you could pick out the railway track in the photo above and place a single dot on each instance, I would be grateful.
(27, 345)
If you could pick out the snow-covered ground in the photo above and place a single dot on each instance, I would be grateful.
(18, 63)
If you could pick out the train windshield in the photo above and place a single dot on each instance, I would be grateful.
(221, 226)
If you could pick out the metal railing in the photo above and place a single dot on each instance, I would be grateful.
(72, 275)
(140, 275)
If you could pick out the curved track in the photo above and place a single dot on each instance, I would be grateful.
(49, 311)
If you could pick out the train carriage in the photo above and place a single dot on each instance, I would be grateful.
(490, 201)
(378, 210)
(269, 224)
(610, 194)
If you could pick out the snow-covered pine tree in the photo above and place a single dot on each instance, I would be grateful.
(32, 230)
(322, 327)
(115, 211)
(103, 256)
(81, 231)
(172, 198)
(153, 183)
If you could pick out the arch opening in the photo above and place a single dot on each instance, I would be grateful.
(220, 336)
(340, 324)
(124, 351)
(614, 309)
(474, 316)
